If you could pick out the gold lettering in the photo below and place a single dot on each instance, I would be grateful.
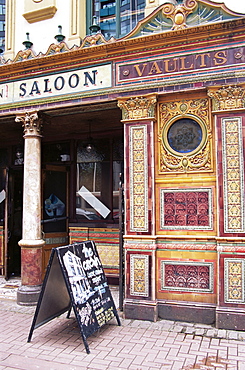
(140, 72)
(220, 58)
(155, 68)
(182, 64)
(202, 59)
(166, 63)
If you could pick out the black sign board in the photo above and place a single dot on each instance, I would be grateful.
(75, 279)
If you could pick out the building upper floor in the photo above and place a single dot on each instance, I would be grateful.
(43, 22)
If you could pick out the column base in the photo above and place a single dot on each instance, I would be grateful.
(187, 312)
(28, 295)
(143, 310)
(230, 318)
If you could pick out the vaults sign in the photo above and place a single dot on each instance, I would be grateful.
(73, 82)
(175, 65)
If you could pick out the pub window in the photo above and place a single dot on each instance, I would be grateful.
(56, 152)
(115, 17)
(99, 164)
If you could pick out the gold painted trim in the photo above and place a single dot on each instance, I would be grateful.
(41, 14)
(190, 180)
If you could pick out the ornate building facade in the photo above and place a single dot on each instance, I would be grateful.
(162, 108)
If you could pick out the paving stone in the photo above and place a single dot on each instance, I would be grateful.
(135, 345)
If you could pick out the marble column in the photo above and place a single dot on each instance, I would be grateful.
(31, 243)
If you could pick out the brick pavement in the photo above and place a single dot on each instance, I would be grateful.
(135, 345)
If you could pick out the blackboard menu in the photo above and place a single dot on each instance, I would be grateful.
(75, 279)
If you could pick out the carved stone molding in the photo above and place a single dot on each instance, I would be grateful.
(24, 55)
(199, 159)
(58, 48)
(94, 40)
(227, 97)
(138, 107)
(39, 10)
(31, 123)
(178, 13)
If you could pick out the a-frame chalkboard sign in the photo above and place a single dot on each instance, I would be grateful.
(75, 279)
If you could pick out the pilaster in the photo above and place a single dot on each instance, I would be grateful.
(138, 116)
(228, 108)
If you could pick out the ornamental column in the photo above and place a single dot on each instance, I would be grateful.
(138, 116)
(31, 243)
(228, 109)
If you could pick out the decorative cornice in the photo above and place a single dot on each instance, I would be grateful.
(126, 46)
(31, 123)
(138, 107)
(95, 40)
(227, 97)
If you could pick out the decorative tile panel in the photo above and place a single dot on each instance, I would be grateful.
(187, 246)
(139, 275)
(109, 255)
(107, 244)
(234, 280)
(187, 276)
(138, 173)
(233, 175)
(189, 209)
(196, 158)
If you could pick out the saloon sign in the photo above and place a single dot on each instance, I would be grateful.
(73, 82)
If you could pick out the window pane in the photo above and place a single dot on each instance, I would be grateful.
(118, 25)
(99, 165)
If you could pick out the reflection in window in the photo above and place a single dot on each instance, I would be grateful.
(98, 170)
(58, 152)
(117, 18)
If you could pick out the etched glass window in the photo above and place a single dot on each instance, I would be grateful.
(184, 135)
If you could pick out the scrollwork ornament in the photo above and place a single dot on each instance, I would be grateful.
(31, 123)
(227, 97)
(178, 13)
(199, 159)
(138, 107)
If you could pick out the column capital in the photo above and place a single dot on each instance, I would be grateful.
(31, 123)
(139, 107)
(227, 97)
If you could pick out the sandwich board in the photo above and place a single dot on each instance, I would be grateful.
(75, 279)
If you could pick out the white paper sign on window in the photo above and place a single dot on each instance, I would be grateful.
(2, 195)
(94, 202)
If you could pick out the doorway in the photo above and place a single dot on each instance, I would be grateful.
(14, 222)
(54, 210)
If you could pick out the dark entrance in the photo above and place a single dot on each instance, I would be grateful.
(15, 202)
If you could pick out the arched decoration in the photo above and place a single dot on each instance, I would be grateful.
(184, 136)
(190, 13)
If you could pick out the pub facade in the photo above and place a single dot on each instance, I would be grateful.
(136, 143)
